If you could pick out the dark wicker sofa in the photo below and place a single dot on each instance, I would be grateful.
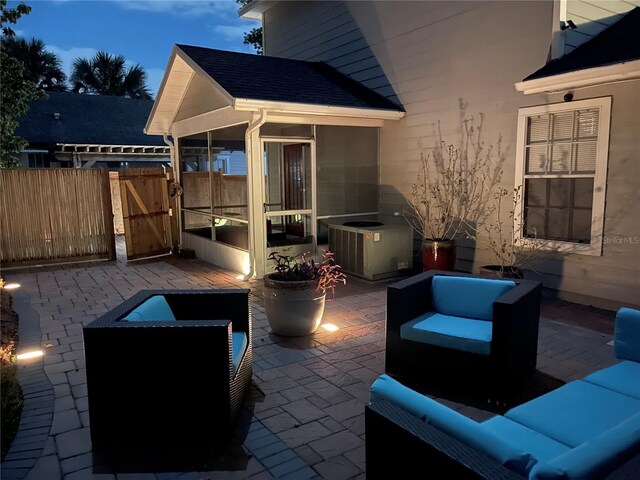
(514, 341)
(398, 445)
(167, 389)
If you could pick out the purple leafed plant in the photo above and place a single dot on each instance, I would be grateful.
(299, 268)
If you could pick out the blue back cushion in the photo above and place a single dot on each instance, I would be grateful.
(627, 334)
(154, 309)
(238, 346)
(594, 458)
(467, 297)
(452, 423)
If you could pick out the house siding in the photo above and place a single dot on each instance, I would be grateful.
(432, 54)
(592, 17)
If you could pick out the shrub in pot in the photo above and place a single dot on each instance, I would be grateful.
(295, 293)
(450, 191)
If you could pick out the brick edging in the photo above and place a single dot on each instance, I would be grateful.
(38, 396)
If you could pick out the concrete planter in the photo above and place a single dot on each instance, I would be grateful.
(293, 309)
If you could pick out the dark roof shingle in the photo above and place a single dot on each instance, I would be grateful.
(88, 119)
(277, 79)
(618, 43)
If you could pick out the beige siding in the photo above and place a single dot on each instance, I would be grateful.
(591, 17)
(324, 31)
(433, 54)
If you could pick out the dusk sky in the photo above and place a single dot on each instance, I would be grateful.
(142, 31)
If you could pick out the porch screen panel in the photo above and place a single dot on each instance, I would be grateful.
(195, 180)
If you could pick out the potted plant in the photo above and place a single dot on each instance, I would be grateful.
(504, 236)
(295, 293)
(451, 189)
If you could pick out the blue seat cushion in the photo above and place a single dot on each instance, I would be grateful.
(238, 347)
(594, 458)
(627, 334)
(452, 423)
(540, 446)
(466, 296)
(154, 309)
(575, 412)
(623, 377)
(447, 331)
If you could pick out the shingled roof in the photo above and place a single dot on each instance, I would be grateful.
(619, 43)
(258, 77)
(87, 119)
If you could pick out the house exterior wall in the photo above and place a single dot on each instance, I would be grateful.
(591, 18)
(431, 55)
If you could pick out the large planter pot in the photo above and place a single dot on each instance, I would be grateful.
(439, 254)
(293, 309)
(497, 271)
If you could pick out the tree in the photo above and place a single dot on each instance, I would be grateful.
(105, 74)
(254, 36)
(15, 91)
(41, 67)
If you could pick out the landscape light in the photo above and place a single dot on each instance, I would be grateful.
(31, 354)
(330, 327)
(11, 286)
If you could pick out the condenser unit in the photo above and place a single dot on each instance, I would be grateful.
(372, 250)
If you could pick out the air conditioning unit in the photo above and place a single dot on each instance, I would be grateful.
(372, 250)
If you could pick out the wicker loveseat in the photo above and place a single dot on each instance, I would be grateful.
(586, 429)
(462, 331)
(167, 372)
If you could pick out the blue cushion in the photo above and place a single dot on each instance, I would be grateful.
(627, 334)
(238, 346)
(537, 444)
(154, 309)
(448, 331)
(466, 296)
(594, 458)
(452, 423)
(575, 412)
(623, 377)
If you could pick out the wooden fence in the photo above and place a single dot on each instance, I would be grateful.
(53, 215)
(116, 203)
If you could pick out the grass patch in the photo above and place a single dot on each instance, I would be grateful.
(10, 391)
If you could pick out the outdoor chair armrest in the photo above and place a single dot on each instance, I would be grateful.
(394, 435)
(408, 299)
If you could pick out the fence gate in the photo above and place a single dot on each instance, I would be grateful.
(145, 211)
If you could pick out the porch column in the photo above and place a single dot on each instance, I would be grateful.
(255, 196)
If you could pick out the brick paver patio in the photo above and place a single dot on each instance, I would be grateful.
(305, 414)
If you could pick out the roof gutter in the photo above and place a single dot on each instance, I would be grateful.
(620, 72)
(247, 104)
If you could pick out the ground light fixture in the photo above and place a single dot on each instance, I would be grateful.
(330, 327)
(30, 354)
(11, 286)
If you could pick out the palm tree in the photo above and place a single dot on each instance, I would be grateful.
(105, 74)
(40, 67)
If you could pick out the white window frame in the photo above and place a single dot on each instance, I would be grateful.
(599, 181)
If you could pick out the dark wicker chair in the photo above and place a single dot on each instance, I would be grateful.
(514, 343)
(400, 443)
(160, 390)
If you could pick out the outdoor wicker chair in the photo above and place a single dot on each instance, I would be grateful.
(510, 353)
(158, 387)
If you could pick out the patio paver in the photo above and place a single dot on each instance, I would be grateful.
(310, 421)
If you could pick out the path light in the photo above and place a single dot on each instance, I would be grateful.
(330, 327)
(29, 355)
(11, 286)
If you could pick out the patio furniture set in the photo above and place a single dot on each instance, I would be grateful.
(167, 372)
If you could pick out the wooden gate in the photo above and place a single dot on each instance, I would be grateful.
(146, 209)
